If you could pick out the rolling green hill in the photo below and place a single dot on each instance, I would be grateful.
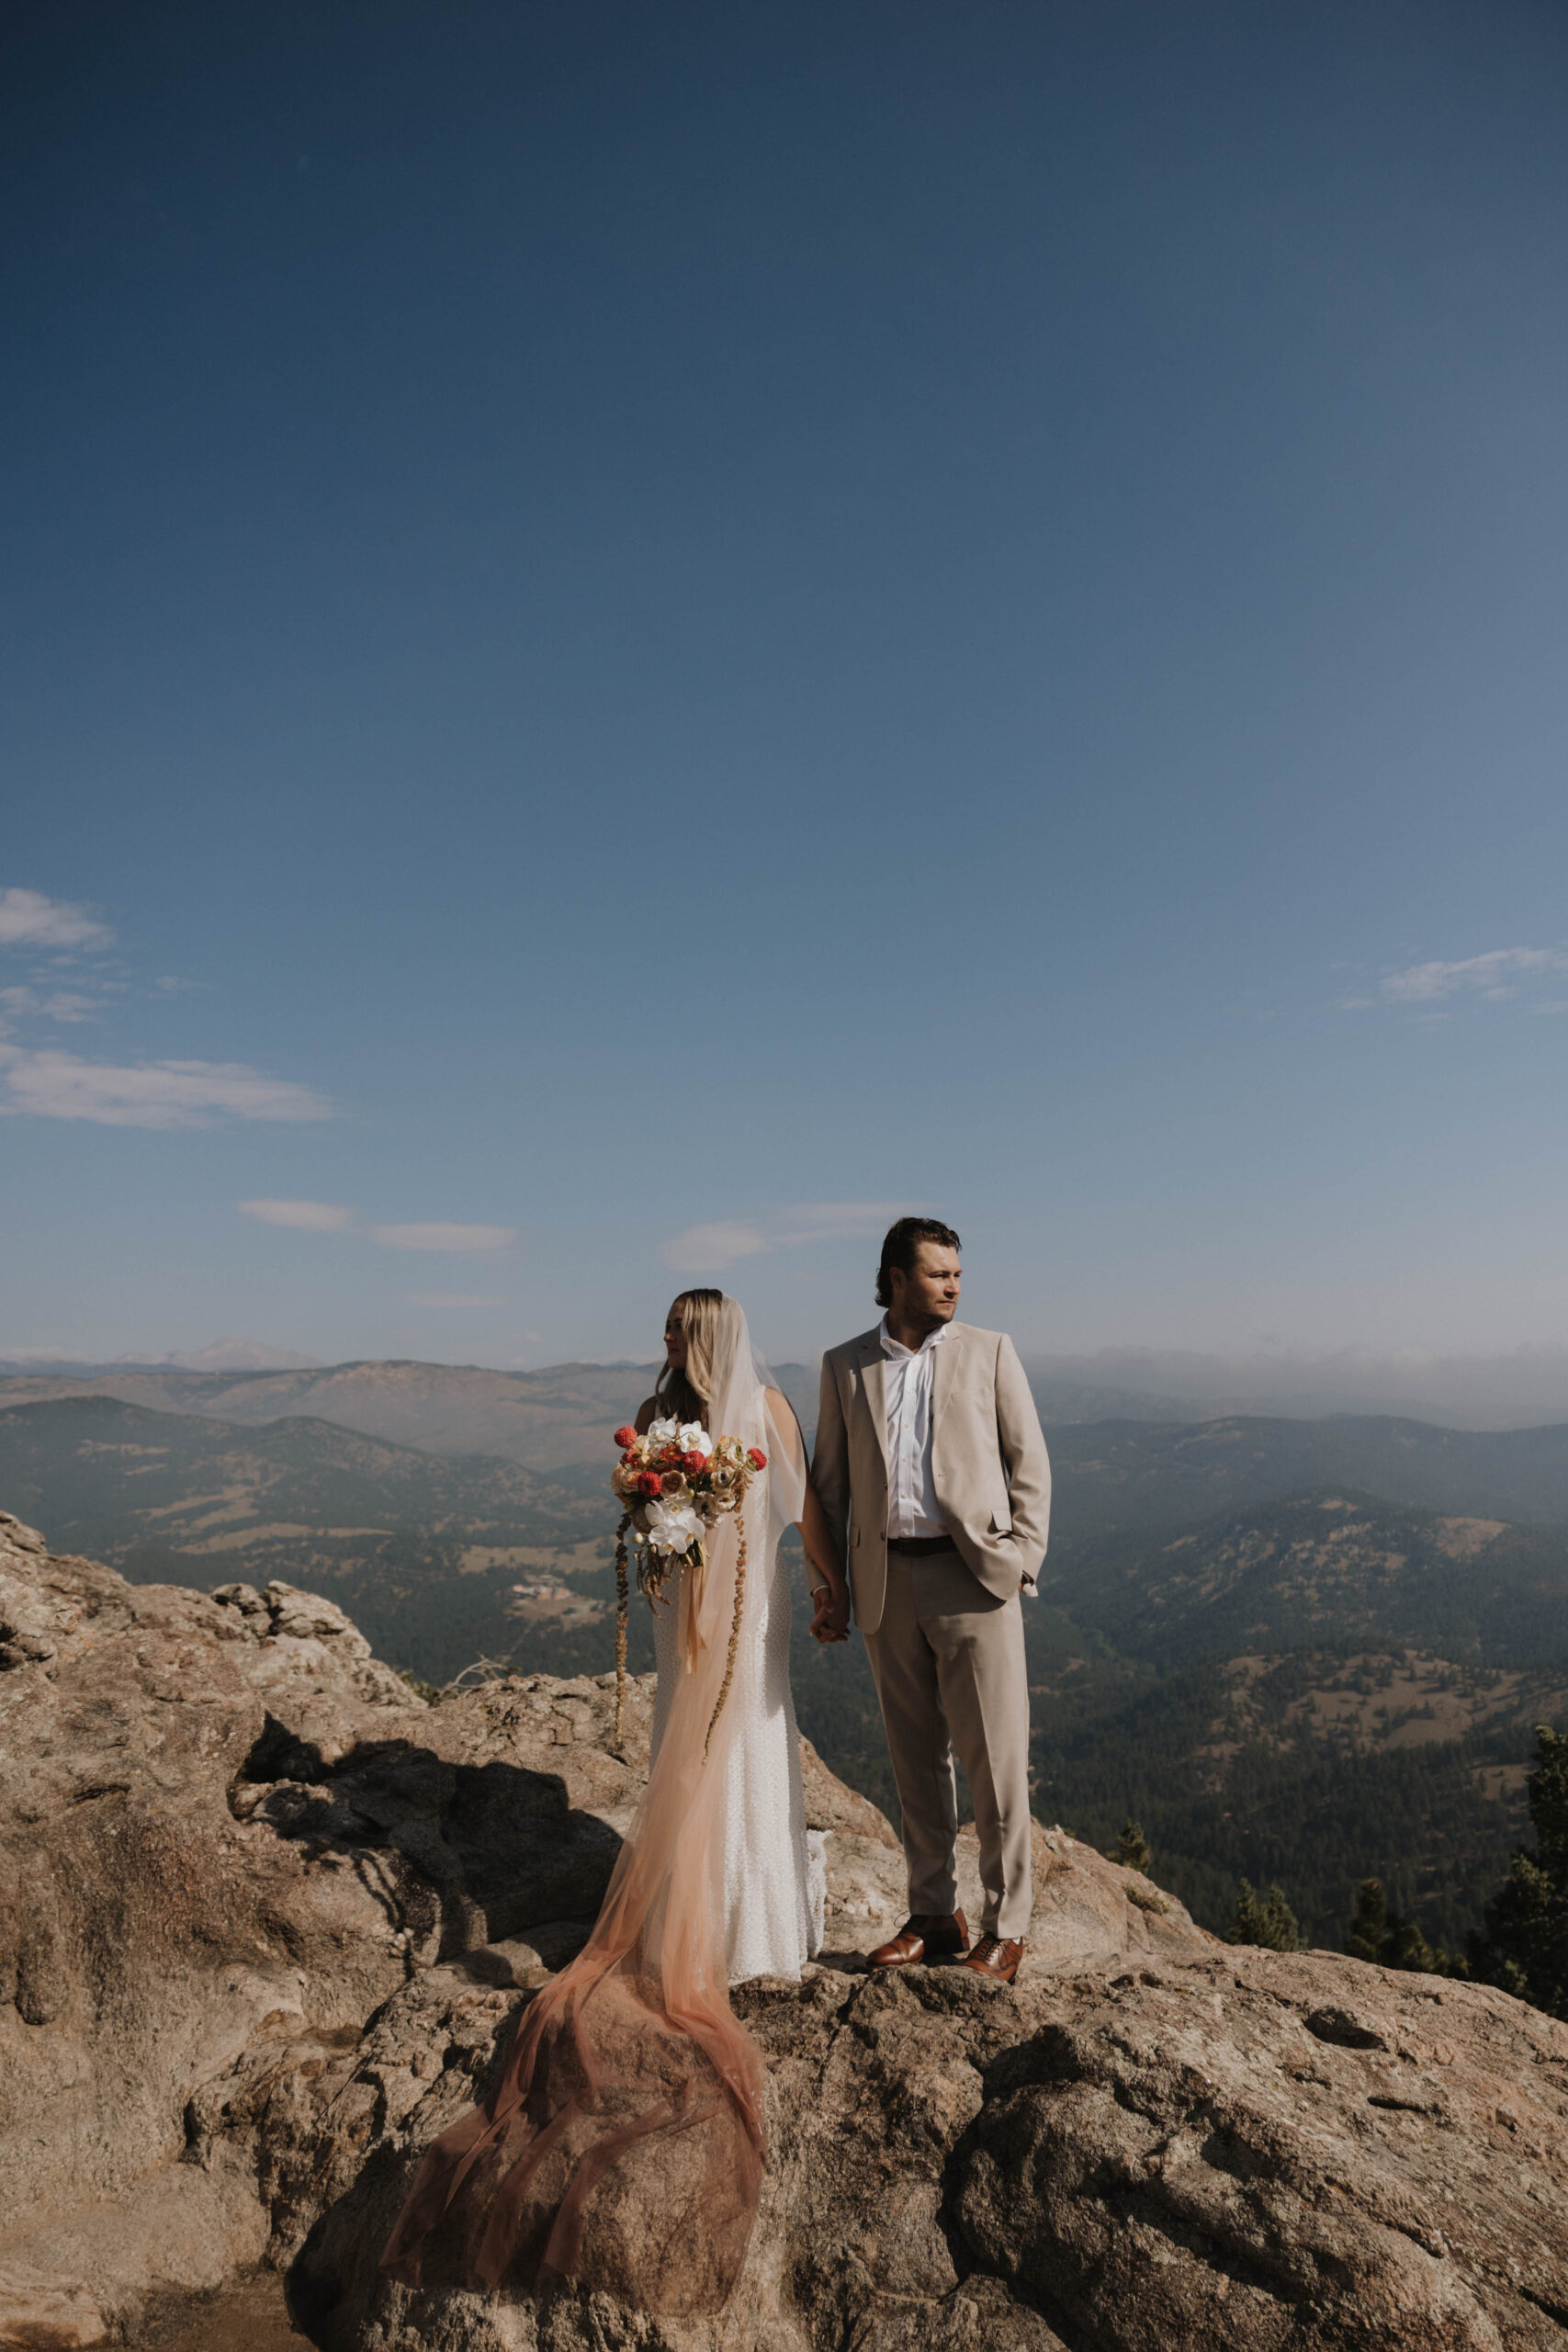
(117, 1476)
(1332, 1566)
(426, 1552)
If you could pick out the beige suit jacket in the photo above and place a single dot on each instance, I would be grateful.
(990, 1464)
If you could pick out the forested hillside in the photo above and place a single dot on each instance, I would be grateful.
(1283, 1671)
(1329, 1566)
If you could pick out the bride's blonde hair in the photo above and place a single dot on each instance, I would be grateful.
(688, 1394)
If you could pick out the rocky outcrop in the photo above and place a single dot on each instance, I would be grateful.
(269, 1921)
(228, 1835)
(1222, 2149)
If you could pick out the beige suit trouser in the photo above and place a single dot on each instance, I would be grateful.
(949, 1665)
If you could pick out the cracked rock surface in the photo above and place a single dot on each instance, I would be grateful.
(1226, 2148)
(266, 1923)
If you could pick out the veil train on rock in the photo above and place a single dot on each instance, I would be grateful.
(624, 2142)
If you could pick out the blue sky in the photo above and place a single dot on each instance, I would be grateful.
(635, 634)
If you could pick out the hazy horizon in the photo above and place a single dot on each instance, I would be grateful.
(1526, 1387)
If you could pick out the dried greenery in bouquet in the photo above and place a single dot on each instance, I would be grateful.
(675, 1484)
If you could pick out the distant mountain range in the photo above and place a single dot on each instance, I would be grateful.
(1112, 1472)
(1170, 1543)
(1137, 1477)
(545, 1419)
(1526, 1387)
(1303, 1649)
(222, 1355)
(108, 1479)
(1500, 1392)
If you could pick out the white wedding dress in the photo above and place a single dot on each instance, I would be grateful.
(775, 1879)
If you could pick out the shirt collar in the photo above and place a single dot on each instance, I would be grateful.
(895, 1348)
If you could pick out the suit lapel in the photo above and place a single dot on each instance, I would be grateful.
(873, 1386)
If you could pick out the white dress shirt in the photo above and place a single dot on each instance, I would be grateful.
(912, 1494)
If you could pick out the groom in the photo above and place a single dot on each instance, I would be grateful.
(929, 1458)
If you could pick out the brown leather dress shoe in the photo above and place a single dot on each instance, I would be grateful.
(994, 1956)
(928, 1936)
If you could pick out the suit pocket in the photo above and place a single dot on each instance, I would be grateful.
(1002, 1522)
(854, 1535)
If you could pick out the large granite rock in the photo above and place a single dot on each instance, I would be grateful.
(1219, 2149)
(228, 1835)
(268, 1922)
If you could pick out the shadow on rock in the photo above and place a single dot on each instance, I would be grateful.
(335, 2284)
(456, 1855)
(337, 2270)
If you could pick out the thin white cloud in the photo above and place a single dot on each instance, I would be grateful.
(60, 1004)
(29, 920)
(333, 1216)
(40, 1082)
(300, 1217)
(1496, 975)
(465, 1237)
(836, 1221)
(708, 1249)
(49, 1085)
(703, 1248)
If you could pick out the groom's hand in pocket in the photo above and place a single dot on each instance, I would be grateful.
(831, 1622)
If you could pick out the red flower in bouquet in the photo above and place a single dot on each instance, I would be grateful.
(674, 1487)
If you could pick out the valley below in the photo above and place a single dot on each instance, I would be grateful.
(1295, 1652)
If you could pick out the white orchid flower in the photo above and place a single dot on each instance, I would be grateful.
(694, 1439)
(662, 1433)
(672, 1526)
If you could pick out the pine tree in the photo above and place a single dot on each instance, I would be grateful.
(1133, 1848)
(1268, 1921)
(1380, 1935)
(1369, 1924)
(1524, 1949)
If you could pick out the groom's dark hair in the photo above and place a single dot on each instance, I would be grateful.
(899, 1250)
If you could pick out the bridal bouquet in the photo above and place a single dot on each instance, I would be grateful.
(675, 1485)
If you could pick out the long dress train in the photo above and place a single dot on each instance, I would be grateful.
(623, 2144)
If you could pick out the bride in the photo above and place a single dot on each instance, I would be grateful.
(623, 2142)
(774, 1883)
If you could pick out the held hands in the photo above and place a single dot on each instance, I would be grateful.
(831, 1622)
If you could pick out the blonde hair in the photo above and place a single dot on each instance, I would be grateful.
(688, 1394)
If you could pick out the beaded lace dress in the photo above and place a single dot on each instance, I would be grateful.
(774, 1876)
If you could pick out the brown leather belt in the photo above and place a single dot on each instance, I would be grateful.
(920, 1546)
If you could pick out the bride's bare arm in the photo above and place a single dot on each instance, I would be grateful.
(828, 1591)
(825, 1575)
